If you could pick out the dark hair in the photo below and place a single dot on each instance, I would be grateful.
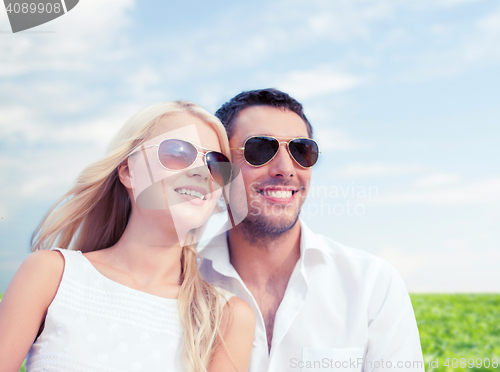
(260, 97)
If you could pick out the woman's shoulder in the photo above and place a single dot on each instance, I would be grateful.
(240, 309)
(239, 316)
(224, 293)
(44, 263)
(237, 332)
(38, 278)
(234, 303)
(43, 267)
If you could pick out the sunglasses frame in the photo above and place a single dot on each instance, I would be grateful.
(276, 153)
(197, 147)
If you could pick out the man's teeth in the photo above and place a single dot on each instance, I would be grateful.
(191, 192)
(278, 194)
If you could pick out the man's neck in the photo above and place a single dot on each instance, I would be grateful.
(257, 260)
(265, 267)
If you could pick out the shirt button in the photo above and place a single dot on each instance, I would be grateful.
(255, 343)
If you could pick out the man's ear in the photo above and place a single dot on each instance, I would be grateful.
(124, 174)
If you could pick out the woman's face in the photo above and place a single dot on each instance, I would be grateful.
(189, 196)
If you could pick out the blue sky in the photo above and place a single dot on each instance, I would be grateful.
(403, 97)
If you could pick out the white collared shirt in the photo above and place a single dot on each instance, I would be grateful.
(343, 309)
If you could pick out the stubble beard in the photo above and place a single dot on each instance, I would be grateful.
(259, 224)
(262, 228)
(258, 227)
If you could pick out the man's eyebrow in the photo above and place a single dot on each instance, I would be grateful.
(281, 138)
(258, 135)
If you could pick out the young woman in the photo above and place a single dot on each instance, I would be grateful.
(128, 295)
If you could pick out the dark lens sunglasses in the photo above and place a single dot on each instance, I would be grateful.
(260, 150)
(176, 155)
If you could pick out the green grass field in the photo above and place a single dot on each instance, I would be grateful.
(461, 328)
(456, 326)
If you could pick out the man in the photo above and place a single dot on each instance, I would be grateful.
(319, 305)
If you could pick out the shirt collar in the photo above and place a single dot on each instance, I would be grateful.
(216, 250)
(311, 241)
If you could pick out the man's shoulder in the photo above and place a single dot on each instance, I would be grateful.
(363, 274)
(336, 250)
(351, 259)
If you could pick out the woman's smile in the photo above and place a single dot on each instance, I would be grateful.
(195, 194)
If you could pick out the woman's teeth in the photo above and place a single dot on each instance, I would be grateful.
(278, 194)
(190, 192)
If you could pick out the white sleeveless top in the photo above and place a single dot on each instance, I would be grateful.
(97, 324)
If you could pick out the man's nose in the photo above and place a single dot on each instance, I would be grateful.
(282, 165)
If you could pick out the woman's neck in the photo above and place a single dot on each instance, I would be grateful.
(149, 250)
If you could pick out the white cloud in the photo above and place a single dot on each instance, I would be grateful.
(457, 243)
(454, 2)
(483, 44)
(306, 84)
(84, 36)
(455, 49)
(14, 120)
(436, 180)
(19, 123)
(278, 29)
(440, 30)
(52, 107)
(395, 38)
(342, 21)
(44, 97)
(376, 169)
(49, 164)
(53, 156)
(209, 96)
(202, 52)
(97, 131)
(460, 269)
(35, 184)
(145, 84)
(430, 4)
(490, 23)
(406, 263)
(481, 191)
(41, 177)
(333, 140)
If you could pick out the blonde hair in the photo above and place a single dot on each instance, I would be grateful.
(93, 215)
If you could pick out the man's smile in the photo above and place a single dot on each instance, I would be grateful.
(278, 194)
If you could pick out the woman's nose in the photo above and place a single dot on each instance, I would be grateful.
(199, 169)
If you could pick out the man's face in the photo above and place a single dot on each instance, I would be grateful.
(275, 191)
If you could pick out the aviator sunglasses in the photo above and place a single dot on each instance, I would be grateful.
(260, 150)
(177, 154)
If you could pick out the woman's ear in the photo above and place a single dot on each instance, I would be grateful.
(124, 174)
